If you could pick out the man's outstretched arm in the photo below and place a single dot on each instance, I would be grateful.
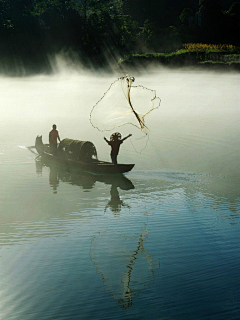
(127, 137)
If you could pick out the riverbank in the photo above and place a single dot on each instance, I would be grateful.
(183, 58)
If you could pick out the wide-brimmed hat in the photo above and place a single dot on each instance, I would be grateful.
(115, 136)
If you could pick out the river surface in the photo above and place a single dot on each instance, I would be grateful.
(161, 242)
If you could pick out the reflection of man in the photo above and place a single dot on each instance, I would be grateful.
(53, 179)
(115, 203)
(53, 136)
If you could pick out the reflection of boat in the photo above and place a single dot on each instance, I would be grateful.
(79, 154)
(124, 264)
(60, 172)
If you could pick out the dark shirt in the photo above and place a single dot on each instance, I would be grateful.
(115, 145)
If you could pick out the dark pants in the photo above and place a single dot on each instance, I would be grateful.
(114, 158)
(53, 148)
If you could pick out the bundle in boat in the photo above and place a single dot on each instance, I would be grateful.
(77, 150)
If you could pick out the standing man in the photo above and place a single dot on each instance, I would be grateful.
(53, 136)
(115, 142)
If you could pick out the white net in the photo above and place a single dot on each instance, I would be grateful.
(123, 104)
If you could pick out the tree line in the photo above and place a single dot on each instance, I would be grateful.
(96, 32)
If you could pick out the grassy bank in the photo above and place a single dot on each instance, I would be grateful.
(215, 56)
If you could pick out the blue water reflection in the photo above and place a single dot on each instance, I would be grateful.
(149, 245)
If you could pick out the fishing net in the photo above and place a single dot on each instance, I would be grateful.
(123, 104)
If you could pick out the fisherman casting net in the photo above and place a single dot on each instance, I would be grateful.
(124, 104)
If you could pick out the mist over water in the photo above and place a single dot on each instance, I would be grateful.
(161, 242)
(196, 128)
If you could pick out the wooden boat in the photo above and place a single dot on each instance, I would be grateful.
(80, 154)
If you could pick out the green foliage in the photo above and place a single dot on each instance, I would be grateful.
(98, 29)
(184, 58)
(146, 32)
(186, 16)
(210, 11)
(5, 15)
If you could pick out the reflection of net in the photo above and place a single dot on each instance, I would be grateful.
(124, 264)
(124, 104)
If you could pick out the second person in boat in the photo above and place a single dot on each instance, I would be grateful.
(53, 137)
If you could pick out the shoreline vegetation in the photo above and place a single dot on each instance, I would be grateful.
(224, 57)
(46, 36)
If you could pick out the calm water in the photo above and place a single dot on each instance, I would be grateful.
(161, 242)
